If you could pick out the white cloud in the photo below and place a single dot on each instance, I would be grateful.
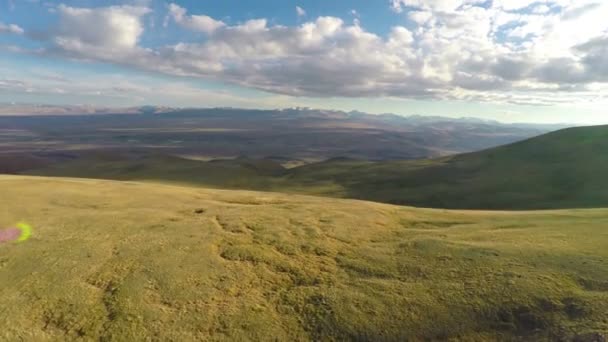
(112, 28)
(420, 17)
(300, 11)
(10, 29)
(117, 90)
(516, 51)
(464, 43)
(400, 36)
(200, 23)
(541, 9)
(396, 6)
(435, 5)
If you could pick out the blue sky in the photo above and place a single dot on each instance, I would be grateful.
(510, 60)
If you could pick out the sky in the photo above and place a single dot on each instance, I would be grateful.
(507, 60)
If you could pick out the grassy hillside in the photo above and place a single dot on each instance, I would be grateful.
(237, 173)
(564, 169)
(118, 261)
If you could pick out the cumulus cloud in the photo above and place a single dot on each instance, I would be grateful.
(10, 29)
(436, 5)
(420, 17)
(531, 46)
(540, 9)
(200, 23)
(300, 11)
(514, 51)
(108, 33)
(111, 27)
(325, 57)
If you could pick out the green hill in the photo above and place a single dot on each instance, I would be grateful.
(563, 169)
(126, 261)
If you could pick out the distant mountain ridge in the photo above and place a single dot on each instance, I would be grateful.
(39, 109)
(299, 134)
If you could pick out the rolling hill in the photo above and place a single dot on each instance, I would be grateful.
(562, 169)
(117, 261)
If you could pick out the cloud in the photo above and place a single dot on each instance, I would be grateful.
(14, 85)
(10, 29)
(436, 5)
(540, 9)
(595, 58)
(577, 12)
(300, 11)
(109, 34)
(420, 17)
(396, 6)
(324, 57)
(111, 28)
(118, 90)
(201, 23)
(515, 51)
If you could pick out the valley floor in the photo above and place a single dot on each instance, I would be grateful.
(118, 261)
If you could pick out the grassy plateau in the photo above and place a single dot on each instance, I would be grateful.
(128, 261)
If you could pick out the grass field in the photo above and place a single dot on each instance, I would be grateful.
(116, 261)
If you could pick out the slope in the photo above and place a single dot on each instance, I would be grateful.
(134, 261)
(563, 169)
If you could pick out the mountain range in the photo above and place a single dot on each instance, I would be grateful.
(297, 136)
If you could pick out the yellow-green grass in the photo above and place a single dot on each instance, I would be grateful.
(125, 261)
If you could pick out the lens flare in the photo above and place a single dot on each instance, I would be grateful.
(20, 233)
(26, 231)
